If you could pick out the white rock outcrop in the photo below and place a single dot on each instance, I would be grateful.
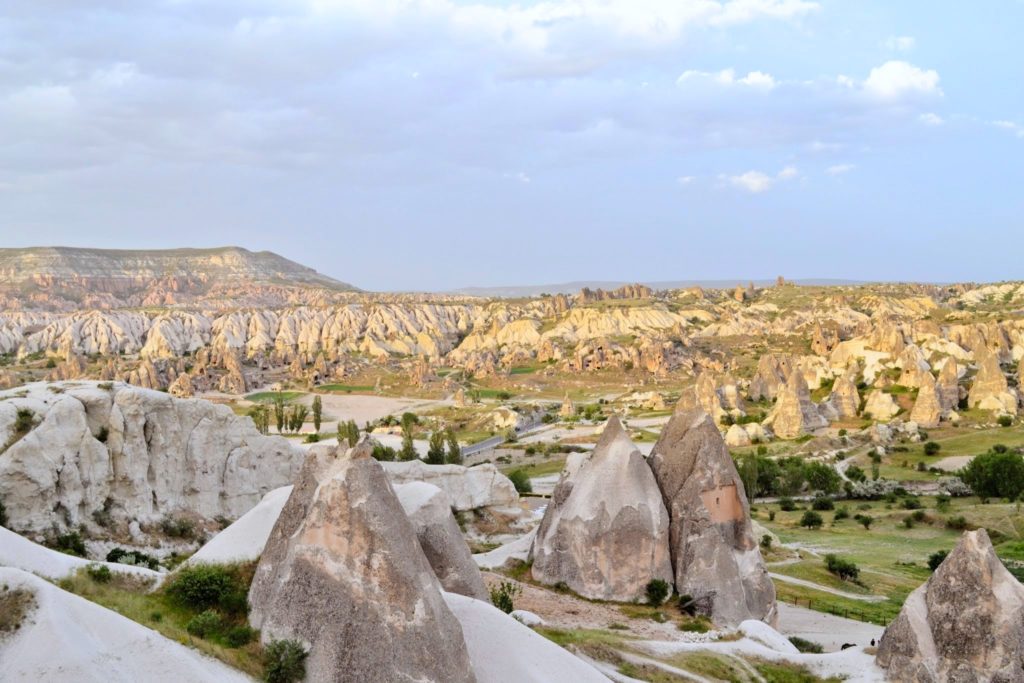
(150, 454)
(468, 488)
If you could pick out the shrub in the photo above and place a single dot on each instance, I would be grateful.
(657, 590)
(23, 420)
(806, 646)
(687, 605)
(70, 543)
(958, 523)
(911, 504)
(844, 569)
(237, 636)
(936, 558)
(942, 501)
(384, 453)
(787, 504)
(771, 515)
(503, 596)
(312, 438)
(932, 448)
(99, 573)
(908, 522)
(811, 520)
(841, 514)
(521, 481)
(206, 586)
(823, 503)
(766, 542)
(3, 514)
(284, 661)
(1004, 420)
(177, 527)
(865, 520)
(204, 624)
(136, 557)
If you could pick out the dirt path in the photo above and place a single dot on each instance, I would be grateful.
(826, 589)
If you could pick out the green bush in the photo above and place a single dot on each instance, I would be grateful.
(503, 596)
(844, 569)
(135, 557)
(204, 624)
(23, 421)
(657, 590)
(1004, 420)
(787, 504)
(284, 661)
(811, 520)
(823, 503)
(766, 541)
(911, 504)
(99, 573)
(936, 558)
(932, 448)
(996, 474)
(865, 520)
(958, 523)
(70, 543)
(237, 636)
(841, 513)
(521, 481)
(177, 527)
(208, 586)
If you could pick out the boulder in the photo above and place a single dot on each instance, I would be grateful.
(151, 454)
(715, 555)
(430, 513)
(737, 437)
(344, 574)
(605, 532)
(965, 624)
(468, 488)
(794, 412)
(927, 409)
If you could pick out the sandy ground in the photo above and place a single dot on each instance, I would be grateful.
(827, 630)
(954, 462)
(363, 409)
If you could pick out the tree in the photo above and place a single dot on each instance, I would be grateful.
(844, 569)
(657, 590)
(865, 520)
(279, 412)
(932, 448)
(435, 448)
(822, 477)
(748, 473)
(995, 474)
(811, 520)
(317, 413)
(855, 473)
(408, 449)
(521, 481)
(454, 456)
(261, 418)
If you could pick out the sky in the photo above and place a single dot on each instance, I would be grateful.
(436, 144)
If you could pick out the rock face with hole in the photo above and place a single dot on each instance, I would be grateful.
(966, 624)
(152, 455)
(605, 532)
(715, 556)
(343, 573)
(430, 513)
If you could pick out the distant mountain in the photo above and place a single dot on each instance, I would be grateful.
(515, 291)
(65, 277)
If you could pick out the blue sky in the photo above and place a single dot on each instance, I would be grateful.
(433, 144)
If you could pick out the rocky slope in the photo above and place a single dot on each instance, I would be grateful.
(65, 277)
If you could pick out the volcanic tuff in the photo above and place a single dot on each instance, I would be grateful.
(965, 624)
(605, 532)
(150, 454)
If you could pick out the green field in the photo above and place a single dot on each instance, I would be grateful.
(270, 396)
(893, 559)
(345, 388)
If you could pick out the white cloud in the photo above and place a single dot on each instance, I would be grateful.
(931, 119)
(685, 179)
(727, 77)
(839, 169)
(900, 43)
(520, 176)
(1011, 126)
(757, 182)
(896, 79)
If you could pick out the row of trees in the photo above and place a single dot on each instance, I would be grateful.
(763, 476)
